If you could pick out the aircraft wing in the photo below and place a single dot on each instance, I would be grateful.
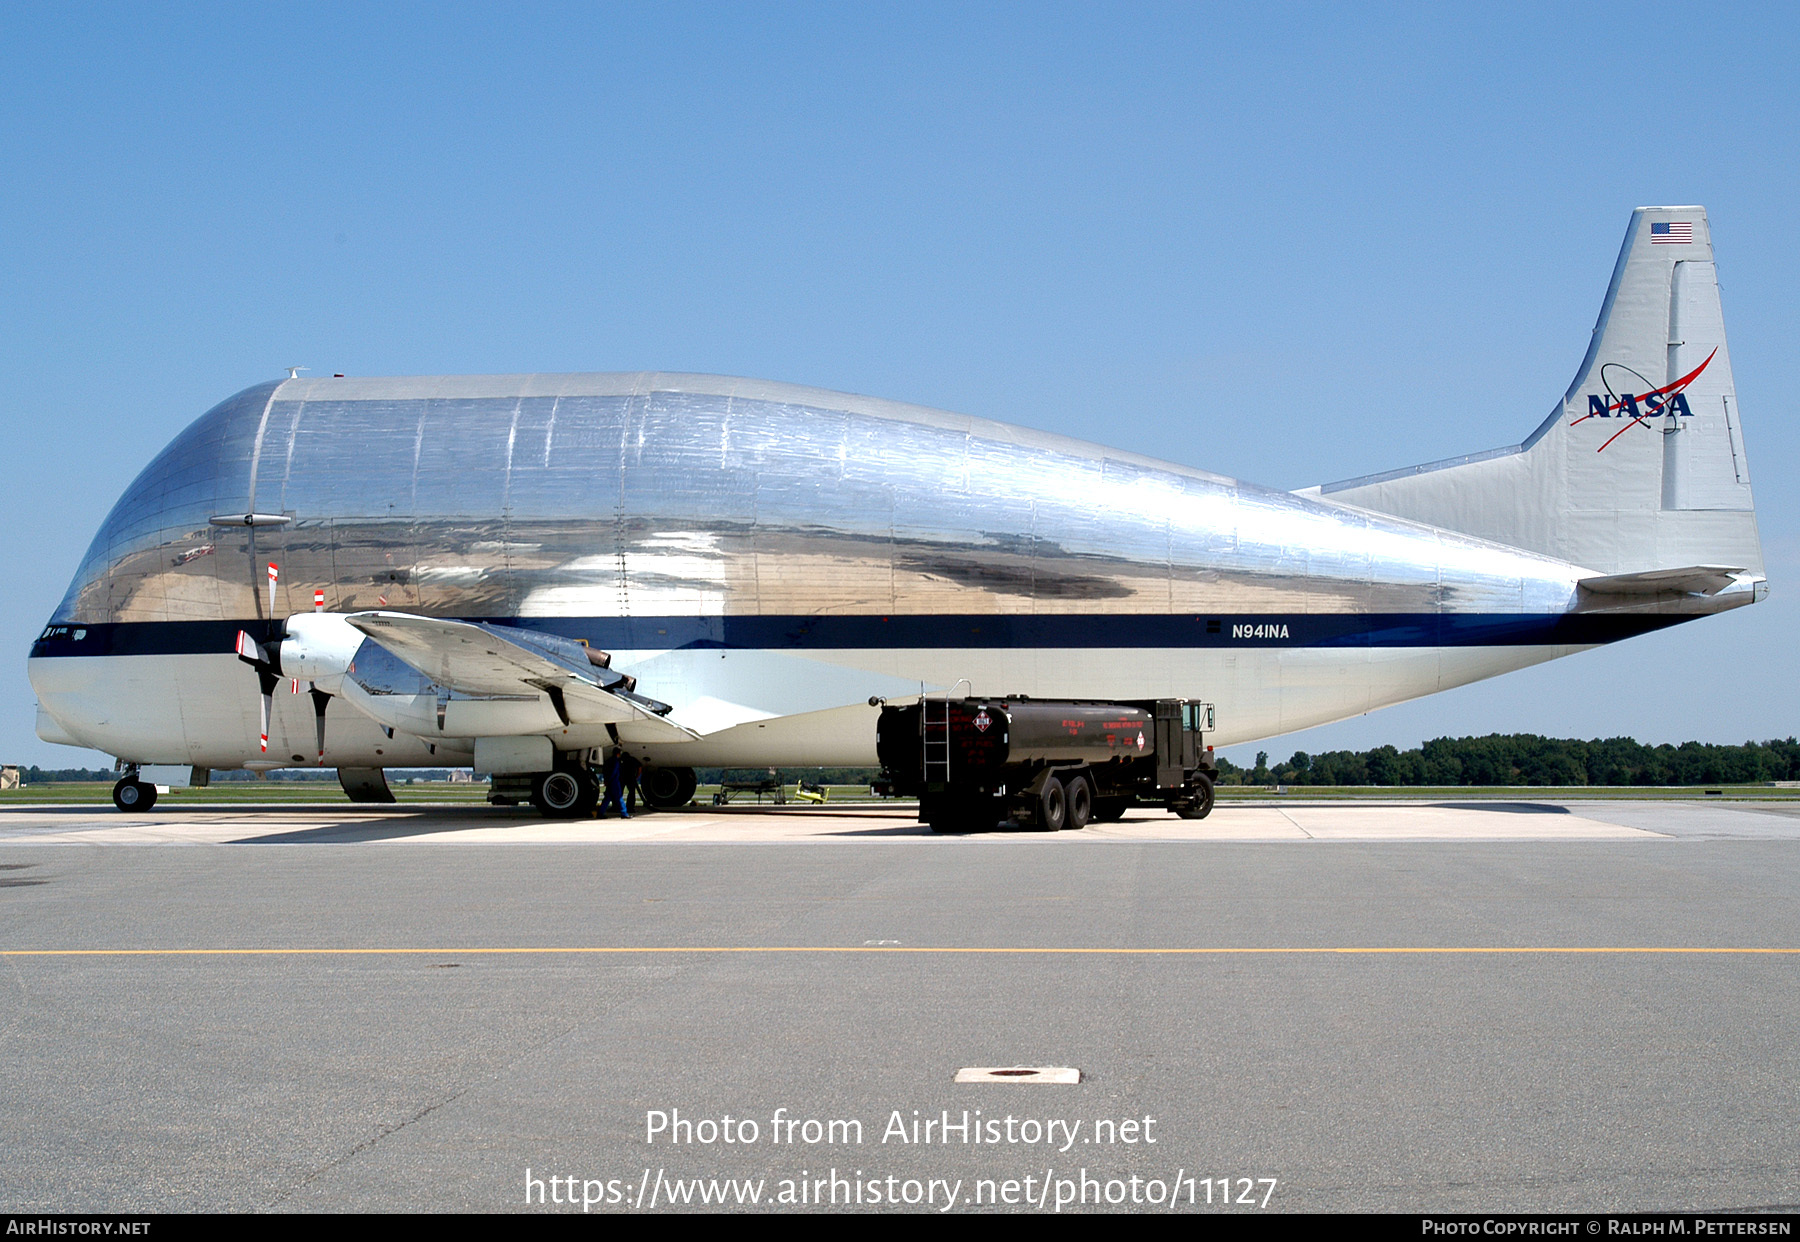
(1691, 579)
(478, 659)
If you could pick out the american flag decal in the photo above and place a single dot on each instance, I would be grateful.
(1672, 233)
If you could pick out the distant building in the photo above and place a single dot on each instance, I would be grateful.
(9, 777)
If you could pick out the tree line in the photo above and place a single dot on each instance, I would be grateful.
(1527, 759)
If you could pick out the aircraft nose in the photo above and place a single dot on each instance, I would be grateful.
(48, 730)
(59, 682)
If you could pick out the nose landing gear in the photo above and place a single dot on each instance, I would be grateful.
(131, 794)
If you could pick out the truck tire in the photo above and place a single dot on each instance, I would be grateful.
(1199, 803)
(1079, 793)
(1053, 806)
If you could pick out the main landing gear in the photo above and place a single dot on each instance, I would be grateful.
(574, 790)
(567, 793)
(668, 789)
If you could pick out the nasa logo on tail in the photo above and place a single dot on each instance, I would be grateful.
(1620, 401)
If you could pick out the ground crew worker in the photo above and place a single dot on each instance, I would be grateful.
(615, 789)
(632, 772)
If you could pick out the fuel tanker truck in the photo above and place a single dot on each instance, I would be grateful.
(1042, 763)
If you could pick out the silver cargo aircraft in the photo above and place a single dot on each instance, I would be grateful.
(528, 572)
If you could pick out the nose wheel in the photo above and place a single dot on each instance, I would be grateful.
(133, 795)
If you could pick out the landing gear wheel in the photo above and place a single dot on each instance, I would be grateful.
(1200, 804)
(567, 793)
(1053, 806)
(1081, 802)
(668, 788)
(130, 795)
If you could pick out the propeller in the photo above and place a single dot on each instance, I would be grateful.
(305, 648)
(268, 672)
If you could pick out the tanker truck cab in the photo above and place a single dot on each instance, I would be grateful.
(975, 763)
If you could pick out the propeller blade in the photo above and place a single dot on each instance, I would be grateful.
(320, 699)
(274, 575)
(253, 654)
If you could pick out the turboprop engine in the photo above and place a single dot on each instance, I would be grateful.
(317, 648)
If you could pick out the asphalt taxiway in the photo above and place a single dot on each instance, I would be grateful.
(1464, 1007)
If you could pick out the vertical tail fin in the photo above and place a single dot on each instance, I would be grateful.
(1641, 466)
(1656, 381)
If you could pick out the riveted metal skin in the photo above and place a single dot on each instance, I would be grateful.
(693, 497)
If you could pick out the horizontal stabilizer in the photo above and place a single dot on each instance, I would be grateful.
(1691, 580)
(485, 660)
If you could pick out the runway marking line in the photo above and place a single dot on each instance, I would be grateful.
(598, 951)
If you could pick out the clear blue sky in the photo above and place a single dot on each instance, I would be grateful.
(1290, 244)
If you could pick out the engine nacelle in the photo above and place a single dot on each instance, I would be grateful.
(319, 647)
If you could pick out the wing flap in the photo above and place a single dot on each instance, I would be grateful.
(635, 716)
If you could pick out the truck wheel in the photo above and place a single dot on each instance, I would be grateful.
(1080, 797)
(1200, 804)
(1053, 806)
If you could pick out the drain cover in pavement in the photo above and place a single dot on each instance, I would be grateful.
(1018, 1073)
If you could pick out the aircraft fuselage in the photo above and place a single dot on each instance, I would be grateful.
(766, 559)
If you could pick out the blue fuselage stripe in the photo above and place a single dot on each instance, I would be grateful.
(853, 633)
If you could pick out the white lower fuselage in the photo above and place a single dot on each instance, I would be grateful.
(755, 708)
